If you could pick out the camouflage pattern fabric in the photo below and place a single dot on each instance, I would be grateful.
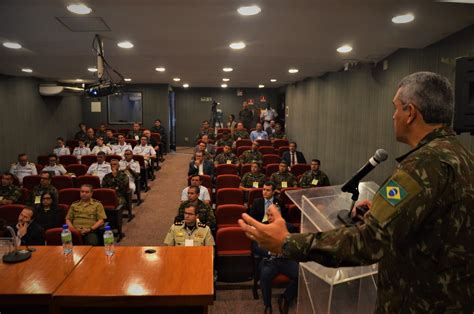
(279, 177)
(311, 179)
(223, 158)
(119, 183)
(250, 156)
(10, 192)
(249, 178)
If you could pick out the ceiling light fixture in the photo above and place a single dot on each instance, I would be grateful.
(176, 79)
(160, 69)
(11, 45)
(237, 45)
(224, 85)
(225, 79)
(79, 8)
(227, 69)
(78, 80)
(261, 86)
(293, 71)
(27, 70)
(273, 80)
(249, 10)
(402, 19)
(127, 79)
(185, 85)
(344, 49)
(125, 44)
(92, 69)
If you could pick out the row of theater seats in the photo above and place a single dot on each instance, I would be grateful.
(268, 169)
(87, 160)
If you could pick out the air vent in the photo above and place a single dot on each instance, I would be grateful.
(84, 24)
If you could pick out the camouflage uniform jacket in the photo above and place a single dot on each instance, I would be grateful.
(119, 183)
(38, 190)
(240, 134)
(209, 132)
(223, 158)
(279, 135)
(250, 156)
(249, 178)
(278, 178)
(419, 229)
(223, 142)
(90, 142)
(110, 141)
(205, 212)
(311, 179)
(10, 192)
(135, 135)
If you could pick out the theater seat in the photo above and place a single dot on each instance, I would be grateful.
(67, 160)
(10, 213)
(77, 169)
(264, 143)
(29, 182)
(283, 149)
(53, 236)
(244, 169)
(253, 194)
(277, 143)
(227, 215)
(108, 198)
(271, 159)
(243, 142)
(271, 168)
(299, 169)
(226, 169)
(227, 181)
(234, 258)
(242, 149)
(229, 196)
(266, 150)
(88, 179)
(69, 196)
(88, 160)
(62, 182)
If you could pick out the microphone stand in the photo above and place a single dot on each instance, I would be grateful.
(344, 215)
(15, 256)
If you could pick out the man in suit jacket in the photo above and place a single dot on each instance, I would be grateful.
(293, 156)
(200, 166)
(27, 230)
(260, 205)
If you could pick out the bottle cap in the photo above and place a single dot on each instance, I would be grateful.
(65, 226)
(107, 228)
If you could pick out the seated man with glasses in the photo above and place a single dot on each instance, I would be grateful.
(45, 186)
(54, 167)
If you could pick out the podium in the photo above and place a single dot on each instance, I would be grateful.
(332, 290)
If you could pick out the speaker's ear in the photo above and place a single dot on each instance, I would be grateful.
(464, 96)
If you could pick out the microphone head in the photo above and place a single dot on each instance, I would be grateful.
(381, 155)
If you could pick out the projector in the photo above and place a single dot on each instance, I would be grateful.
(102, 89)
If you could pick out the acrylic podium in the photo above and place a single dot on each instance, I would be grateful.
(332, 290)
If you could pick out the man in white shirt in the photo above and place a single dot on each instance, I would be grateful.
(23, 168)
(81, 150)
(100, 168)
(61, 149)
(131, 168)
(203, 191)
(100, 147)
(145, 150)
(121, 147)
(54, 167)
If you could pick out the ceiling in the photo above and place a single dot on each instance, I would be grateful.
(191, 37)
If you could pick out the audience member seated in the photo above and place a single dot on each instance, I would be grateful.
(101, 132)
(314, 177)
(135, 133)
(205, 212)
(231, 124)
(283, 178)
(23, 168)
(203, 191)
(159, 128)
(121, 147)
(61, 149)
(293, 157)
(190, 231)
(251, 155)
(270, 266)
(201, 147)
(90, 138)
(208, 147)
(278, 134)
(99, 168)
(109, 138)
(259, 133)
(253, 179)
(81, 150)
(101, 147)
(271, 128)
(153, 142)
(131, 169)
(9, 193)
(45, 186)
(145, 150)
(47, 214)
(226, 157)
(205, 130)
(240, 133)
(28, 232)
(117, 180)
(225, 140)
(200, 166)
(54, 167)
(82, 133)
(86, 216)
(259, 208)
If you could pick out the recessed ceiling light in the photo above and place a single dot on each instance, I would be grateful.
(227, 69)
(92, 69)
(237, 45)
(261, 86)
(127, 79)
(176, 79)
(125, 44)
(185, 85)
(11, 45)
(293, 71)
(344, 49)
(225, 79)
(405, 18)
(27, 70)
(224, 85)
(249, 10)
(273, 80)
(79, 8)
(78, 80)
(160, 69)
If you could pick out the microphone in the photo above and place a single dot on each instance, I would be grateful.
(15, 256)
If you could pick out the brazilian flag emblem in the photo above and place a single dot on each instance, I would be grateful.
(393, 193)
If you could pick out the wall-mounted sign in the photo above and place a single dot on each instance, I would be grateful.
(263, 98)
(206, 99)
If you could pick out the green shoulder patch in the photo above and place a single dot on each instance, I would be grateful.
(393, 193)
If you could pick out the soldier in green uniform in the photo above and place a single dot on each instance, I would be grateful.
(90, 140)
(283, 178)
(226, 157)
(9, 193)
(253, 179)
(135, 133)
(419, 226)
(205, 212)
(44, 186)
(251, 155)
(190, 231)
(205, 130)
(278, 134)
(109, 138)
(117, 180)
(240, 133)
(86, 216)
(225, 140)
(314, 177)
(246, 115)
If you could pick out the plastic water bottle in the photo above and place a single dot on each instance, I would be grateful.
(66, 238)
(109, 241)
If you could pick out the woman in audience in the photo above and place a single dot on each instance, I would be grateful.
(231, 124)
(47, 213)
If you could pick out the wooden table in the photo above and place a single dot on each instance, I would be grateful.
(171, 277)
(34, 281)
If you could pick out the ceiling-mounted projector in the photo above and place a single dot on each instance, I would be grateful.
(102, 89)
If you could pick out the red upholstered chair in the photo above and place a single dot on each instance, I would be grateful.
(43, 160)
(227, 181)
(124, 130)
(280, 281)
(62, 182)
(132, 142)
(10, 213)
(286, 200)
(156, 137)
(77, 169)
(270, 169)
(226, 169)
(222, 130)
(53, 236)
(271, 159)
(108, 198)
(39, 168)
(29, 182)
(69, 196)
(277, 143)
(108, 158)
(243, 142)
(283, 149)
(72, 144)
(67, 160)
(25, 194)
(227, 215)
(64, 208)
(229, 196)
(242, 149)
(299, 169)
(244, 169)
(88, 160)
(266, 150)
(234, 258)
(88, 179)
(253, 194)
(219, 149)
(16, 182)
(264, 143)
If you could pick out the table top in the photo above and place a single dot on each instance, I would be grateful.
(171, 273)
(41, 274)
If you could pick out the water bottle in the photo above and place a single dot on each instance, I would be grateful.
(66, 238)
(109, 241)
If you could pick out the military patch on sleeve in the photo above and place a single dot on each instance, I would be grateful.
(393, 193)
